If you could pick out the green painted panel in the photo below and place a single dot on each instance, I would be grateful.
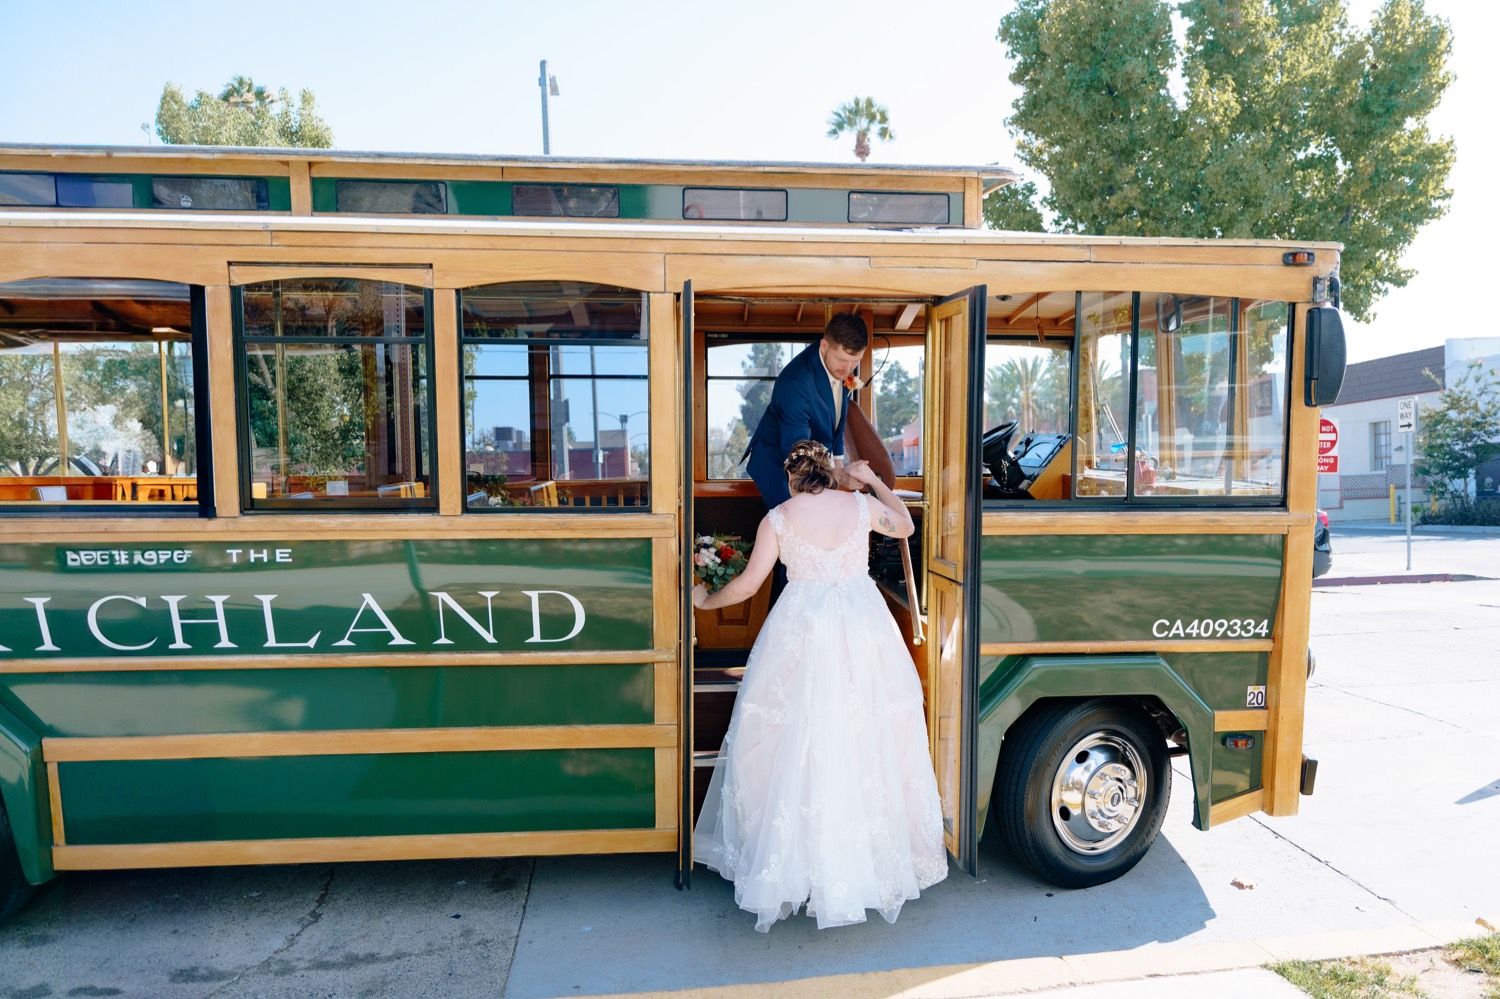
(1221, 678)
(1127, 587)
(24, 797)
(183, 702)
(325, 197)
(478, 197)
(279, 194)
(635, 202)
(168, 801)
(1236, 770)
(817, 205)
(330, 597)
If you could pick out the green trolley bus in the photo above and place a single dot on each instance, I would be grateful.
(347, 501)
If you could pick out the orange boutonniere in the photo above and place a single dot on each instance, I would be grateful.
(852, 382)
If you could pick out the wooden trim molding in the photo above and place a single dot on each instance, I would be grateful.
(223, 450)
(1245, 720)
(300, 174)
(666, 684)
(1152, 645)
(339, 527)
(357, 848)
(354, 742)
(338, 661)
(54, 799)
(1121, 521)
(419, 276)
(1237, 807)
(447, 373)
(668, 773)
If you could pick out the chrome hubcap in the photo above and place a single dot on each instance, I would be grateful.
(1097, 793)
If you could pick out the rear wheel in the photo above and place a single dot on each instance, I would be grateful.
(14, 888)
(1081, 791)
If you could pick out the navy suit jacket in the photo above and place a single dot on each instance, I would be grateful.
(801, 408)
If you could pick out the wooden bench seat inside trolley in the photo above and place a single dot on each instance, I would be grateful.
(98, 488)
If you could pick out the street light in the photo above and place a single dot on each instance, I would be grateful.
(624, 419)
(549, 86)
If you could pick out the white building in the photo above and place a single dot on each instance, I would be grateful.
(1372, 456)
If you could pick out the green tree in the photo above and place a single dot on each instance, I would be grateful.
(1290, 125)
(761, 368)
(861, 116)
(1014, 208)
(28, 422)
(1462, 434)
(897, 400)
(242, 114)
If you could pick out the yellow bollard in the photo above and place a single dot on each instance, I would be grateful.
(1393, 504)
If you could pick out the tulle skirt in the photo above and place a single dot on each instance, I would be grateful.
(824, 794)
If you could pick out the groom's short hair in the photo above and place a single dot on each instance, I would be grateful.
(848, 331)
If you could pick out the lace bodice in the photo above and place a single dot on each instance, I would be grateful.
(804, 560)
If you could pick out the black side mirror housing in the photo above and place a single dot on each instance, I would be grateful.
(1326, 356)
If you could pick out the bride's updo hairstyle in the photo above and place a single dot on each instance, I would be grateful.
(810, 467)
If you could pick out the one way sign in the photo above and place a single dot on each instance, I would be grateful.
(1406, 415)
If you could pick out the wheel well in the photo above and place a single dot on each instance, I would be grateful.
(1173, 732)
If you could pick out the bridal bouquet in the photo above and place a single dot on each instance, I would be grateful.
(718, 558)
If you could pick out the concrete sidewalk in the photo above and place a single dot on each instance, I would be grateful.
(1226, 970)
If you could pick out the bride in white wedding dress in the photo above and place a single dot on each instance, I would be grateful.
(824, 793)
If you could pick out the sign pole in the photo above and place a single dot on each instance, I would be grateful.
(1408, 502)
(1406, 425)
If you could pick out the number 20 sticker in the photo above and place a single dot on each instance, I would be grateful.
(1255, 697)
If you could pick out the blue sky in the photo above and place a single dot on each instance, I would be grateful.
(654, 78)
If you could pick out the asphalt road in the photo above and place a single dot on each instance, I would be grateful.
(1403, 715)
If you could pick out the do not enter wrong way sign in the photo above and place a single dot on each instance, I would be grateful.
(1328, 445)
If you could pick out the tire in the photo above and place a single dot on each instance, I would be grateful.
(15, 890)
(1056, 758)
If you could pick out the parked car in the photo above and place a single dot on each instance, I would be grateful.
(1322, 546)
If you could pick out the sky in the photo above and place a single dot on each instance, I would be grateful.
(656, 79)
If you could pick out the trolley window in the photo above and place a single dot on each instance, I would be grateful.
(335, 394)
(97, 398)
(555, 400)
(1181, 397)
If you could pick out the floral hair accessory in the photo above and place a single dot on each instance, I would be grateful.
(852, 382)
(808, 449)
(718, 558)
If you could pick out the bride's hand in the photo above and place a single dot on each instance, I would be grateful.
(861, 472)
(700, 595)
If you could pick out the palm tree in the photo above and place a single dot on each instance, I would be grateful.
(242, 92)
(861, 116)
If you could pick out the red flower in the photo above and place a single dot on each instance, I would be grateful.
(726, 552)
(852, 382)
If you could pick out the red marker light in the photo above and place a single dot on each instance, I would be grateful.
(1239, 741)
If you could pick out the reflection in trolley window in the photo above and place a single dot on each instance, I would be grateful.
(335, 394)
(555, 401)
(1181, 397)
(96, 392)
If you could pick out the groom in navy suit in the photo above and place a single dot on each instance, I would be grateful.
(809, 401)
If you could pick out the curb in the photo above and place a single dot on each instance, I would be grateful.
(1398, 577)
(1034, 974)
(1404, 577)
(1381, 527)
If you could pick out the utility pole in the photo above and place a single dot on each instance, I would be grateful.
(549, 86)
